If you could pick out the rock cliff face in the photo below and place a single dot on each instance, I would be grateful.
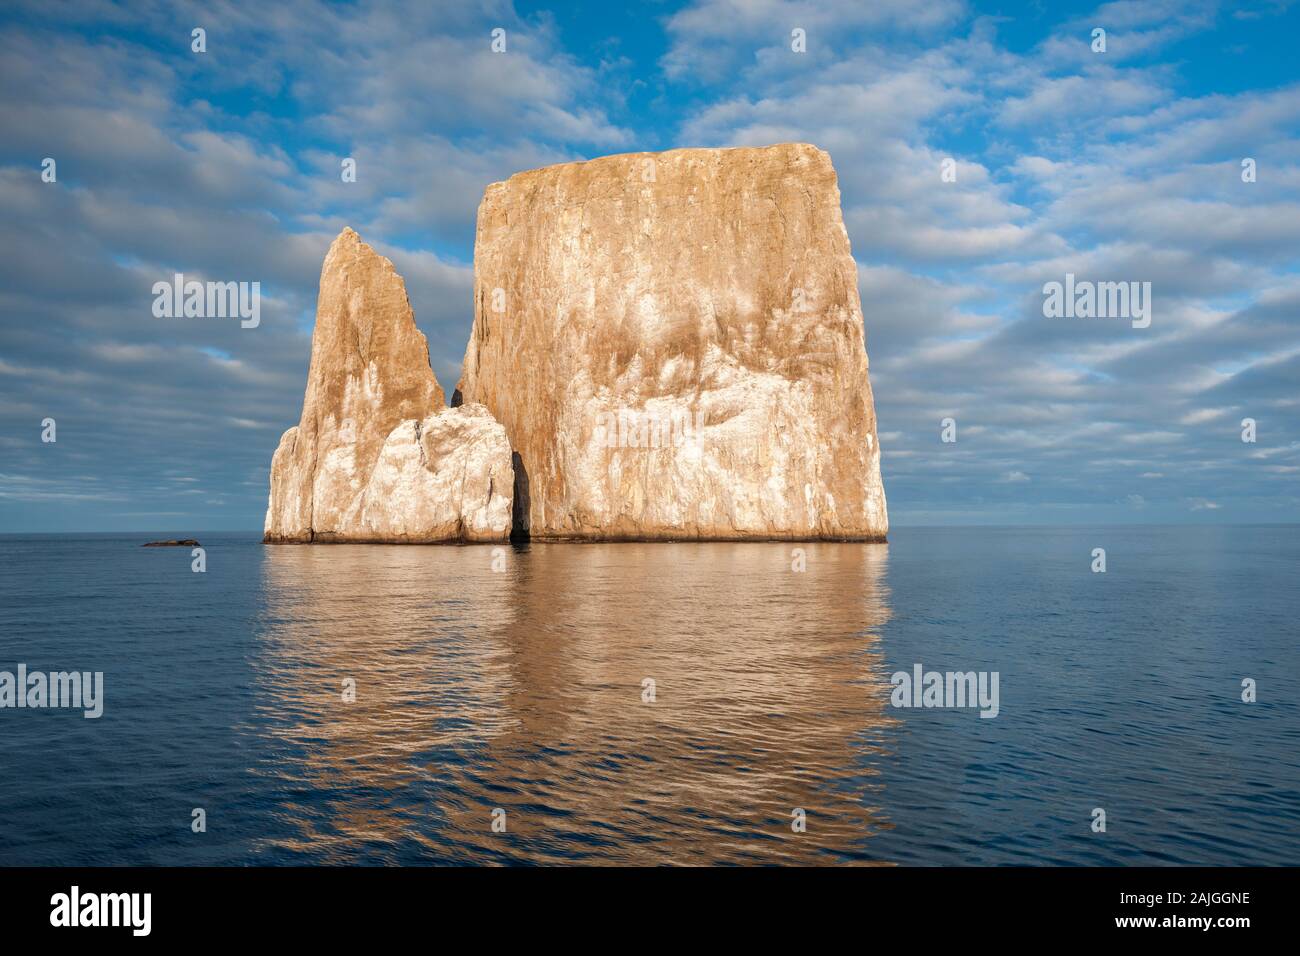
(377, 456)
(674, 345)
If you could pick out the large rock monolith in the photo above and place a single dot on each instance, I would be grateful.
(674, 344)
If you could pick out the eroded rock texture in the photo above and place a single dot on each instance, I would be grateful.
(377, 456)
(674, 344)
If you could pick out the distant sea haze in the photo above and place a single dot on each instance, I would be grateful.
(692, 703)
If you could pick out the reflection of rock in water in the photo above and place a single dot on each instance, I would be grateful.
(523, 690)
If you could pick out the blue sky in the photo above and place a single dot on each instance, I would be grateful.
(1114, 166)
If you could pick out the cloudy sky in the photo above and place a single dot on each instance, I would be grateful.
(1123, 165)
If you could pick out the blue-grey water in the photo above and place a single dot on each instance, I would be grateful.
(521, 689)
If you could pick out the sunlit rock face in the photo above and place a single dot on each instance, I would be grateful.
(377, 456)
(674, 344)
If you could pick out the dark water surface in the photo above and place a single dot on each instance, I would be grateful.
(522, 690)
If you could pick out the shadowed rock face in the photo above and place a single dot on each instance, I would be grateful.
(376, 455)
(674, 344)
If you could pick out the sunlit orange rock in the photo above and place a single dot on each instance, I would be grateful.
(377, 455)
(674, 344)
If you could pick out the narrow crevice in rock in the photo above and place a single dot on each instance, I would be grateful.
(519, 512)
(457, 400)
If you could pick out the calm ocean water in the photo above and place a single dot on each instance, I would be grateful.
(522, 690)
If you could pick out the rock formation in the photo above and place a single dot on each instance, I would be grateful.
(674, 345)
(377, 456)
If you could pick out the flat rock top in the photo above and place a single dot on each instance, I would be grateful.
(794, 155)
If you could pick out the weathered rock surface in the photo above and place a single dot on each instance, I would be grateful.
(377, 456)
(674, 345)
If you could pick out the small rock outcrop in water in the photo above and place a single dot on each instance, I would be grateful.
(377, 456)
(674, 345)
(181, 543)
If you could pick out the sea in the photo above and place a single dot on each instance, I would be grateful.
(659, 703)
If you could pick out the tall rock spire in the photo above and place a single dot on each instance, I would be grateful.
(376, 455)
